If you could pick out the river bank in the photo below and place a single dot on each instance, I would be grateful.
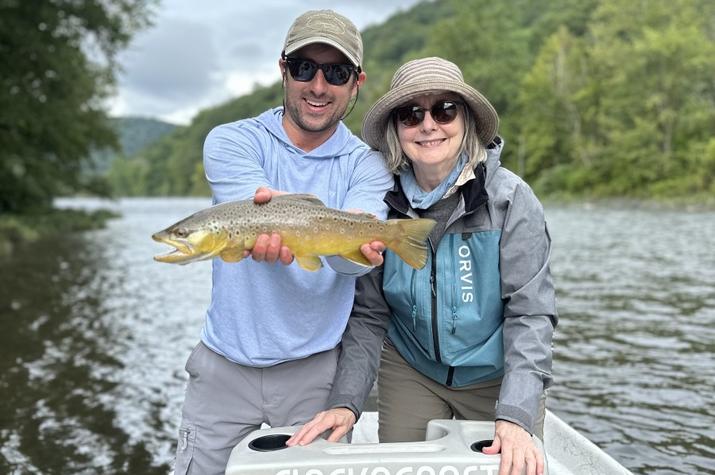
(19, 229)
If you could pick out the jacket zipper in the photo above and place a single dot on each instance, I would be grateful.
(435, 323)
(450, 370)
(450, 375)
(414, 300)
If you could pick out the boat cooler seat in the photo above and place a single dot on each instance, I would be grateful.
(451, 447)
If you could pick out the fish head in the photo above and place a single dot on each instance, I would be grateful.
(191, 242)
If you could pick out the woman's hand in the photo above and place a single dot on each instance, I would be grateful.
(517, 448)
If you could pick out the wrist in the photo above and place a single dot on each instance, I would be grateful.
(348, 413)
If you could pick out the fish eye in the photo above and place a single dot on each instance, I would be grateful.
(181, 232)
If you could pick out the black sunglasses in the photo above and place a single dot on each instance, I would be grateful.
(304, 70)
(442, 112)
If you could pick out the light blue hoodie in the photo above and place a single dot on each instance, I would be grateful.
(263, 314)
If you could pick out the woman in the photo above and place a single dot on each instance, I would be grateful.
(469, 334)
(473, 328)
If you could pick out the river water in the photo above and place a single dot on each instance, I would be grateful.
(94, 335)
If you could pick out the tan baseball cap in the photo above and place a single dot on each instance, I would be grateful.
(325, 26)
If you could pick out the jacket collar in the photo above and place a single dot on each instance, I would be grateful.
(473, 191)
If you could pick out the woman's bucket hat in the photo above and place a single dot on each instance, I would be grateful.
(428, 75)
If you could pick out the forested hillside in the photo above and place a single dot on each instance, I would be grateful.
(597, 98)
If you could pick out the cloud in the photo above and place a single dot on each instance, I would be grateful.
(174, 61)
(196, 57)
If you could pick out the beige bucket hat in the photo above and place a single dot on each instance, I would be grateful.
(427, 75)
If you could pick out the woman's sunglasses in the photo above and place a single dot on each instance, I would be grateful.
(442, 112)
(304, 70)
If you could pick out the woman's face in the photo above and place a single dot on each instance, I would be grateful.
(432, 144)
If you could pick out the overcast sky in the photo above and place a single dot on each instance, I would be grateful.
(201, 54)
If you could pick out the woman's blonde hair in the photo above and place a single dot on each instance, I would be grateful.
(398, 161)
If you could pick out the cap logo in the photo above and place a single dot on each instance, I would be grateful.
(327, 23)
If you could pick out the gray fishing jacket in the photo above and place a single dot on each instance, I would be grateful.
(483, 306)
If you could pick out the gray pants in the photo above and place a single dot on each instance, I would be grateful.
(407, 400)
(226, 401)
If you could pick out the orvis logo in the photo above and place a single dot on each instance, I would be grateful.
(466, 278)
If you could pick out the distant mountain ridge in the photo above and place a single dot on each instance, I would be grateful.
(133, 134)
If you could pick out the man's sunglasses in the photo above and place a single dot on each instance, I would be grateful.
(304, 70)
(442, 112)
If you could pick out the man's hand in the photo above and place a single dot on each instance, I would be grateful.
(264, 194)
(267, 247)
(372, 250)
(340, 420)
(517, 448)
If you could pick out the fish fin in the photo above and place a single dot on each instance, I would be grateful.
(409, 238)
(311, 263)
(356, 257)
(312, 199)
(231, 255)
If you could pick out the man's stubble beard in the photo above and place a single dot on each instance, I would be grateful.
(327, 124)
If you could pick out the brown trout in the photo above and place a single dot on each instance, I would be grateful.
(305, 224)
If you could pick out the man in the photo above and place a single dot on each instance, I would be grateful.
(270, 343)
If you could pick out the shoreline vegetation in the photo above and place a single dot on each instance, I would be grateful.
(689, 204)
(20, 229)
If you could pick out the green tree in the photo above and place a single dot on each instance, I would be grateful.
(57, 65)
(551, 121)
(656, 62)
(627, 108)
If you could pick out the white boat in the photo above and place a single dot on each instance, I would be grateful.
(451, 447)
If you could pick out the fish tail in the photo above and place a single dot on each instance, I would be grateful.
(409, 238)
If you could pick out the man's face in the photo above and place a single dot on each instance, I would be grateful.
(316, 106)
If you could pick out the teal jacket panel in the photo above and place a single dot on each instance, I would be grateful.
(460, 325)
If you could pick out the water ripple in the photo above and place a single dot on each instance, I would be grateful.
(634, 352)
